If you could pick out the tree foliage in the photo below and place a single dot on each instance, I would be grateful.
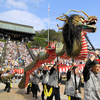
(42, 37)
(38, 41)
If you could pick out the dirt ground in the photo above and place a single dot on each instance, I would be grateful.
(20, 94)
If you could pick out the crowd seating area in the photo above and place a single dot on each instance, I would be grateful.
(25, 58)
(11, 55)
(17, 56)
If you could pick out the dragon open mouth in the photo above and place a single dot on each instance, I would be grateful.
(90, 25)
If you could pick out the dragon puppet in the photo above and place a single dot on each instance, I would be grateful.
(74, 44)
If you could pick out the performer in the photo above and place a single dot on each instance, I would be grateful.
(8, 82)
(35, 81)
(54, 82)
(45, 78)
(73, 84)
(92, 79)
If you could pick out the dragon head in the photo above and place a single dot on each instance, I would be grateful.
(72, 28)
(86, 24)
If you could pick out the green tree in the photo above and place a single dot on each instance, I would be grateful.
(41, 33)
(38, 41)
(53, 35)
(42, 37)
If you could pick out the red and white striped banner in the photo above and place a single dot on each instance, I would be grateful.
(66, 68)
(21, 71)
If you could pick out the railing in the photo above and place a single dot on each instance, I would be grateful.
(2, 59)
(30, 52)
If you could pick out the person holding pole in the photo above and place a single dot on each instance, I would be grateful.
(92, 78)
(54, 82)
(35, 82)
(45, 79)
(73, 84)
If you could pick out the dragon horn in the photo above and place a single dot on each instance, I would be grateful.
(74, 11)
(77, 11)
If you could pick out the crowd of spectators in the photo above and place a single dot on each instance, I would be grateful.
(11, 55)
(17, 56)
(25, 58)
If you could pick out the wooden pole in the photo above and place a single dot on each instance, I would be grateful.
(73, 60)
(58, 69)
(91, 44)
